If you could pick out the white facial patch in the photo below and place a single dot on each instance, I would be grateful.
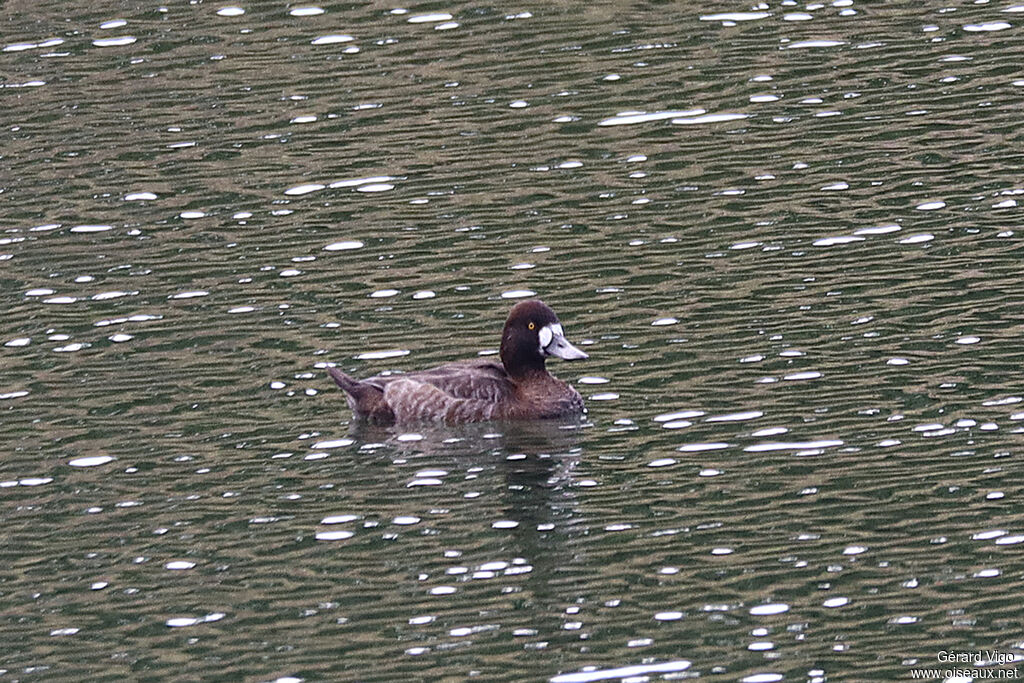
(546, 334)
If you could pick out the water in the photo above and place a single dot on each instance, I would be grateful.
(785, 234)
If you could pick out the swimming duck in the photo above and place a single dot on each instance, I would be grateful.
(519, 388)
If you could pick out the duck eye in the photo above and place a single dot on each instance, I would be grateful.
(532, 326)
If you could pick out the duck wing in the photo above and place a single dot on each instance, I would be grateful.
(458, 392)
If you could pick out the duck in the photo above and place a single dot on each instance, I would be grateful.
(518, 388)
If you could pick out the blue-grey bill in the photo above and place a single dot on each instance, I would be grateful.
(561, 348)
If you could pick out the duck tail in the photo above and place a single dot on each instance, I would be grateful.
(351, 386)
(364, 398)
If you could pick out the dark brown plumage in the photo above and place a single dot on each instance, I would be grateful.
(520, 388)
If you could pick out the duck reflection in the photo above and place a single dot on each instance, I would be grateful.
(528, 437)
(536, 458)
(517, 503)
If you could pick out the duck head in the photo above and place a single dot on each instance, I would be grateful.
(533, 333)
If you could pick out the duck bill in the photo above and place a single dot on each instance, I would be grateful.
(561, 348)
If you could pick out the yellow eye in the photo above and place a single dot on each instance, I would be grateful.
(532, 326)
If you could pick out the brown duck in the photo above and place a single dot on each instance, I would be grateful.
(519, 388)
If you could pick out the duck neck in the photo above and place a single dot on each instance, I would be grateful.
(517, 370)
(520, 363)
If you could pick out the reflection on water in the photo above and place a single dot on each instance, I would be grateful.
(789, 232)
